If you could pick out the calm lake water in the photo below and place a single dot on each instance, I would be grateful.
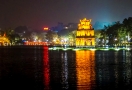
(37, 68)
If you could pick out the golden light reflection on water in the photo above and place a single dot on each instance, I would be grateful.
(85, 69)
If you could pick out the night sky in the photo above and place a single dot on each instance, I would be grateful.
(37, 14)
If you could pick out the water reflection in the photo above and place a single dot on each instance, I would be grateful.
(113, 69)
(46, 68)
(37, 68)
(64, 70)
(85, 70)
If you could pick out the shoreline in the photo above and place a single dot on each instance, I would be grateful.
(74, 47)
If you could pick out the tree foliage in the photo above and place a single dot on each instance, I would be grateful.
(119, 31)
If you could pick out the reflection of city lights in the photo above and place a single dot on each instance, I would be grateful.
(85, 67)
(65, 70)
(46, 68)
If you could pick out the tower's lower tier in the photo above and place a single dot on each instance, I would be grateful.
(85, 42)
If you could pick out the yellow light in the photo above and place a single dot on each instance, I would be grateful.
(85, 33)
(46, 28)
(85, 68)
(85, 24)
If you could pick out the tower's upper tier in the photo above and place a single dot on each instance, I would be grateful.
(85, 24)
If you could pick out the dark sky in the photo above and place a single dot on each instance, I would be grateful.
(39, 13)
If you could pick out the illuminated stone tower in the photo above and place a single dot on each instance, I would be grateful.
(85, 34)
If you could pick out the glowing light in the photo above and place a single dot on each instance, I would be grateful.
(85, 24)
(115, 39)
(117, 49)
(65, 49)
(4, 40)
(46, 28)
(128, 48)
(85, 69)
(92, 49)
(46, 68)
(85, 33)
(35, 43)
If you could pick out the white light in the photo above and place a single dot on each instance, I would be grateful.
(117, 49)
(128, 48)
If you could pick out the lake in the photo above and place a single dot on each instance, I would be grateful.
(38, 68)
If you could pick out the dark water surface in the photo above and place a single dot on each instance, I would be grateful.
(37, 68)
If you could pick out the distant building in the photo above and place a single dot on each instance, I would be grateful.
(71, 26)
(85, 34)
(59, 27)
